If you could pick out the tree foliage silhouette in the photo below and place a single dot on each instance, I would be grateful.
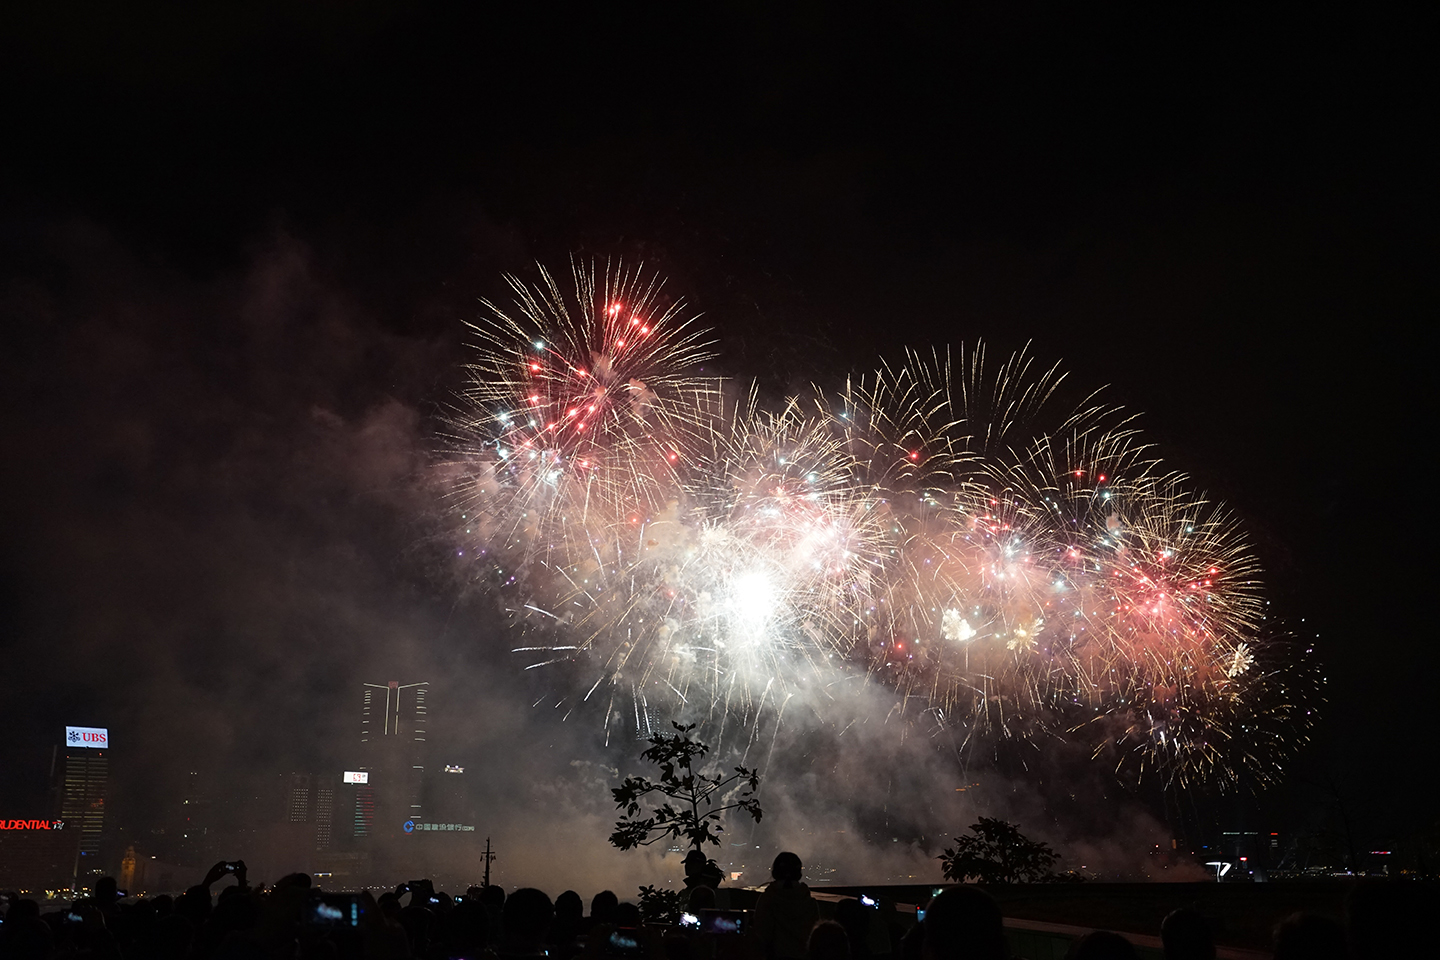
(997, 852)
(658, 905)
(688, 810)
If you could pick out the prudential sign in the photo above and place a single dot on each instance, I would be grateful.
(96, 738)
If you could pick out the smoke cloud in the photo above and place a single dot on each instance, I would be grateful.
(220, 522)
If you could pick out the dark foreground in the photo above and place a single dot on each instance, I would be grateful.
(294, 920)
(1243, 914)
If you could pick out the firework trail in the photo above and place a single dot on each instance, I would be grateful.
(939, 526)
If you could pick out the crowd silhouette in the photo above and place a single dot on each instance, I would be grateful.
(294, 920)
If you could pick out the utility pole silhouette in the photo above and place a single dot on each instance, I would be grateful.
(489, 856)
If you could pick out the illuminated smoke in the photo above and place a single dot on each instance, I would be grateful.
(937, 527)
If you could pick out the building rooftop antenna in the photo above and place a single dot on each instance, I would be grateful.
(489, 857)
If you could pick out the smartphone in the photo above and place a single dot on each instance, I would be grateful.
(690, 920)
(919, 914)
(869, 901)
(334, 910)
(722, 921)
(623, 942)
(232, 866)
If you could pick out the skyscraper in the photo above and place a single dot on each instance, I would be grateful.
(81, 783)
(309, 812)
(324, 813)
(297, 810)
(448, 799)
(393, 719)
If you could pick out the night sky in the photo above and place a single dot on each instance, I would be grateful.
(236, 249)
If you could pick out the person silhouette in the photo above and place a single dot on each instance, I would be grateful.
(963, 923)
(785, 912)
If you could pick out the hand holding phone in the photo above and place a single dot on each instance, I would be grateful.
(722, 921)
(330, 910)
(623, 942)
(234, 868)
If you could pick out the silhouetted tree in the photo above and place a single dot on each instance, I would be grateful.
(688, 811)
(997, 852)
(661, 905)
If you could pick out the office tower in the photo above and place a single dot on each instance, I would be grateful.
(297, 810)
(393, 720)
(324, 813)
(82, 768)
(648, 721)
(37, 855)
(364, 809)
(310, 809)
(197, 835)
(393, 709)
(449, 800)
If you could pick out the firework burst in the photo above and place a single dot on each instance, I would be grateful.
(579, 408)
(942, 527)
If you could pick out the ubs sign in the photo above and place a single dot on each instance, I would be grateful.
(96, 738)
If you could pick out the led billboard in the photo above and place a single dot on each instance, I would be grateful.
(357, 776)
